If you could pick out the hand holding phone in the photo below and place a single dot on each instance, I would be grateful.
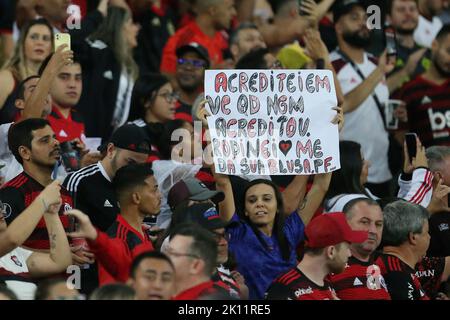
(411, 145)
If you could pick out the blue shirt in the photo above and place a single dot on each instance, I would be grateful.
(258, 265)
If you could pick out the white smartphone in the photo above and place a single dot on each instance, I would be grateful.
(60, 39)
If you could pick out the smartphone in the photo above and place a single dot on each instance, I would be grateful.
(60, 39)
(390, 42)
(411, 144)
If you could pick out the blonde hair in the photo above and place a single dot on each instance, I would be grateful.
(111, 33)
(17, 64)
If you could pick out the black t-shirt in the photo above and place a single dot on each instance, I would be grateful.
(94, 194)
(7, 16)
(440, 235)
(429, 271)
(400, 278)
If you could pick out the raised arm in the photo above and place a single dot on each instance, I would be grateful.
(34, 105)
(227, 207)
(294, 194)
(317, 50)
(111, 253)
(60, 256)
(356, 97)
(7, 81)
(314, 197)
(21, 228)
(397, 79)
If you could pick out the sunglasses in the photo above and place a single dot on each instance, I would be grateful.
(191, 63)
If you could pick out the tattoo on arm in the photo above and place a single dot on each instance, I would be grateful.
(52, 241)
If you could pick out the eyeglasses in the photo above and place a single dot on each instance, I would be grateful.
(191, 63)
(172, 253)
(170, 96)
(219, 236)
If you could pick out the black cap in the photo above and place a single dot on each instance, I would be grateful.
(131, 137)
(197, 48)
(206, 215)
(342, 7)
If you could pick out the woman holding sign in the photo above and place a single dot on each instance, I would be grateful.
(263, 238)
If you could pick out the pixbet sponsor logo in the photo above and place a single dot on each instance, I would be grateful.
(439, 120)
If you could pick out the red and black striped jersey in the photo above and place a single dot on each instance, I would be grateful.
(183, 111)
(223, 280)
(66, 129)
(18, 193)
(294, 285)
(360, 281)
(116, 249)
(428, 106)
(429, 271)
(400, 278)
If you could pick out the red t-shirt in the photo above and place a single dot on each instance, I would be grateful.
(116, 249)
(66, 129)
(194, 293)
(192, 33)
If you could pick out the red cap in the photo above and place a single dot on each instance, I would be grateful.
(330, 229)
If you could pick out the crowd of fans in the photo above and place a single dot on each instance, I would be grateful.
(103, 198)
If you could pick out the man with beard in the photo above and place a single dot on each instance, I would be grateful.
(33, 143)
(361, 278)
(92, 188)
(327, 249)
(363, 84)
(244, 39)
(192, 60)
(429, 22)
(427, 98)
(412, 59)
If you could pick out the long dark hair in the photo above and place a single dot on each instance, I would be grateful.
(278, 226)
(144, 91)
(348, 178)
